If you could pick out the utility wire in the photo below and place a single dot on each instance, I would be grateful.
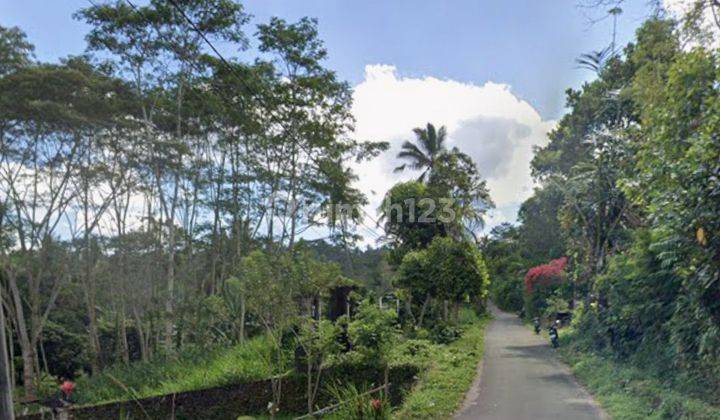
(255, 94)
(249, 89)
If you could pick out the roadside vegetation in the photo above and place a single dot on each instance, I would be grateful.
(620, 239)
(189, 371)
(450, 370)
(446, 365)
(155, 208)
(636, 388)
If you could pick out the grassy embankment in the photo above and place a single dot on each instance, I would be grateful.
(628, 391)
(450, 370)
(190, 371)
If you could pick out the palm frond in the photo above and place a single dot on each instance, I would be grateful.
(441, 137)
(412, 153)
(432, 144)
(594, 60)
(422, 154)
(414, 158)
(422, 138)
(410, 147)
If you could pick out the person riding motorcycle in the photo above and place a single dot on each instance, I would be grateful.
(552, 331)
(536, 325)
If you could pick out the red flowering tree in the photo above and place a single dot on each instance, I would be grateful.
(542, 282)
(545, 274)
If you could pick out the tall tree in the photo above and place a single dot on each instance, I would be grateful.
(311, 127)
(46, 109)
(165, 37)
(424, 155)
(15, 50)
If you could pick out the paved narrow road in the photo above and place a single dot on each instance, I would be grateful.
(521, 378)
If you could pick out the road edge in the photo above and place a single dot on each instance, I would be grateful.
(471, 395)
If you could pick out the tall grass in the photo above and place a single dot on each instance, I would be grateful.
(191, 370)
(448, 371)
(451, 369)
(629, 391)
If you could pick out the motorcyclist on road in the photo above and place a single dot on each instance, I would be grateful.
(552, 331)
(536, 324)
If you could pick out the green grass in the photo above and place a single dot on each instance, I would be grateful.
(189, 371)
(627, 392)
(450, 371)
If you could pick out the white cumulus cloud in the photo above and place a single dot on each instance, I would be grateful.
(488, 122)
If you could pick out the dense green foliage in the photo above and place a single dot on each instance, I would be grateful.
(447, 270)
(191, 370)
(636, 391)
(451, 369)
(411, 217)
(432, 227)
(154, 195)
(155, 200)
(630, 192)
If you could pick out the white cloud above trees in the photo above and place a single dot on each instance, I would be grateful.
(489, 122)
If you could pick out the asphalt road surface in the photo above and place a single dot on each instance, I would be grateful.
(521, 378)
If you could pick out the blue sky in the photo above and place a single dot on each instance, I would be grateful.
(527, 44)
(494, 72)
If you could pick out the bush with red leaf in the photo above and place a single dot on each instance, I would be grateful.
(545, 274)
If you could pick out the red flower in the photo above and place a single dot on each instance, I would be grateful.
(545, 274)
(376, 404)
(67, 388)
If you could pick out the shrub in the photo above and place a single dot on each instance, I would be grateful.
(373, 331)
(545, 274)
(444, 333)
(448, 271)
(542, 282)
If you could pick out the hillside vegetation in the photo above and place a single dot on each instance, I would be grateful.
(628, 198)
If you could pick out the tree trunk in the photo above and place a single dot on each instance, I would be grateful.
(124, 347)
(242, 318)
(6, 403)
(408, 309)
(422, 311)
(169, 304)
(29, 374)
(11, 350)
(89, 287)
(386, 380)
(93, 334)
(26, 347)
(271, 221)
(142, 337)
(170, 222)
(456, 312)
(308, 383)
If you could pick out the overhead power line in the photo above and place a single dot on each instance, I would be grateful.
(249, 88)
(252, 91)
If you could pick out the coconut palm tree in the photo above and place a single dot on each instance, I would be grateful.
(595, 60)
(423, 155)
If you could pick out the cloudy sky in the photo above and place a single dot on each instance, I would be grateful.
(493, 72)
(487, 121)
